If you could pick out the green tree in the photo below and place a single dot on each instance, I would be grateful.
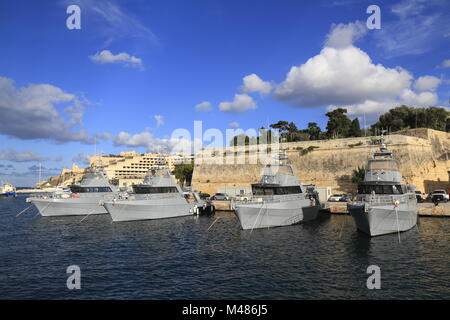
(183, 172)
(314, 131)
(338, 123)
(358, 175)
(404, 117)
(355, 129)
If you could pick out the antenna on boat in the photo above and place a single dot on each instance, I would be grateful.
(383, 147)
(40, 171)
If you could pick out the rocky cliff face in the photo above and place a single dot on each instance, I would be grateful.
(423, 154)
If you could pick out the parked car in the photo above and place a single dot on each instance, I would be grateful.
(204, 196)
(243, 197)
(419, 196)
(336, 197)
(220, 196)
(439, 196)
(346, 198)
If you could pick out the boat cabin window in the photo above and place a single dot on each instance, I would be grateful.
(269, 191)
(78, 189)
(380, 189)
(150, 190)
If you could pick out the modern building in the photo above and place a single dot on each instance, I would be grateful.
(130, 167)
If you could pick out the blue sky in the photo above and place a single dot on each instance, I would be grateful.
(135, 70)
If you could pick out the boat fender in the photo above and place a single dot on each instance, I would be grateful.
(196, 210)
(395, 203)
(101, 202)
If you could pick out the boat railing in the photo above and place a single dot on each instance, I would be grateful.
(66, 195)
(150, 196)
(377, 199)
(270, 198)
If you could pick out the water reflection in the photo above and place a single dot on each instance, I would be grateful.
(180, 258)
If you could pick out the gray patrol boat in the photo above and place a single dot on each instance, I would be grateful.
(384, 204)
(158, 197)
(278, 200)
(85, 198)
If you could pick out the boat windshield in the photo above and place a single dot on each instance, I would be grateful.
(269, 191)
(385, 164)
(149, 190)
(79, 189)
(277, 169)
(380, 189)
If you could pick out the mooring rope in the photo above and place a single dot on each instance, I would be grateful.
(23, 210)
(213, 223)
(254, 224)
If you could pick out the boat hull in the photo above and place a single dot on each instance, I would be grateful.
(275, 214)
(8, 194)
(132, 210)
(68, 207)
(382, 219)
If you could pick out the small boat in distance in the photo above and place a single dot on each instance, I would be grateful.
(158, 197)
(7, 190)
(384, 203)
(279, 199)
(85, 198)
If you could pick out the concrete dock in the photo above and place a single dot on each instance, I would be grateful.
(426, 209)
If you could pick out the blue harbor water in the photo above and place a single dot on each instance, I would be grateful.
(180, 259)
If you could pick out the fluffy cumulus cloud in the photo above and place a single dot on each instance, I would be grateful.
(342, 75)
(21, 156)
(253, 83)
(446, 63)
(123, 58)
(426, 83)
(40, 111)
(241, 103)
(234, 124)
(204, 106)
(344, 35)
(152, 144)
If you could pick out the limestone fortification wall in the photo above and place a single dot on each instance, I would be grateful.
(424, 157)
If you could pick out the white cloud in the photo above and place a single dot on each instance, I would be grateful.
(205, 106)
(368, 107)
(241, 103)
(343, 75)
(344, 35)
(82, 158)
(423, 99)
(159, 120)
(146, 140)
(124, 58)
(21, 156)
(102, 136)
(446, 63)
(113, 22)
(426, 83)
(253, 83)
(40, 111)
(340, 76)
(234, 124)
